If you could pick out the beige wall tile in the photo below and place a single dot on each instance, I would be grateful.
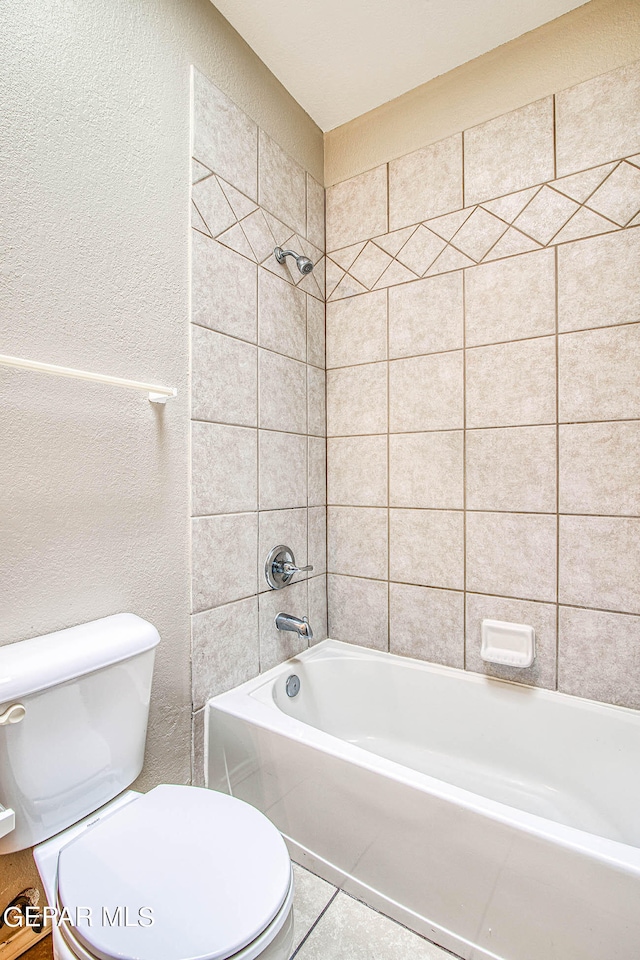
(619, 196)
(357, 208)
(317, 600)
(427, 624)
(357, 541)
(369, 265)
(317, 550)
(599, 374)
(357, 329)
(281, 316)
(599, 656)
(512, 384)
(276, 646)
(427, 547)
(426, 316)
(599, 281)
(511, 299)
(357, 400)
(512, 554)
(260, 237)
(282, 185)
(513, 468)
(358, 611)
(600, 467)
(315, 212)
(283, 392)
(212, 206)
(224, 378)
(425, 393)
(317, 471)
(198, 772)
(545, 216)
(509, 153)
(315, 332)
(598, 120)
(223, 469)
(223, 551)
(600, 562)
(316, 402)
(288, 527)
(357, 471)
(540, 616)
(225, 139)
(224, 648)
(426, 470)
(283, 470)
(223, 287)
(478, 234)
(425, 183)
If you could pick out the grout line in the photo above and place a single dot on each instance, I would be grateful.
(506, 426)
(483, 346)
(449, 953)
(463, 177)
(388, 481)
(373, 506)
(253, 343)
(497, 596)
(542, 183)
(243, 426)
(388, 230)
(314, 924)
(258, 414)
(555, 138)
(557, 399)
(464, 468)
(615, 229)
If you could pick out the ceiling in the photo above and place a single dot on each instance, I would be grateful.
(341, 58)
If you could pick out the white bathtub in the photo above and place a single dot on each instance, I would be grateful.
(500, 821)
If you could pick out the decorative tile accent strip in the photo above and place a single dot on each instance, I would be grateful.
(223, 213)
(596, 201)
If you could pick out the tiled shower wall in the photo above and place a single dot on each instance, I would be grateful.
(258, 398)
(483, 393)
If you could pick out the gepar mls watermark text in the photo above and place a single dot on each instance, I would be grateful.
(37, 917)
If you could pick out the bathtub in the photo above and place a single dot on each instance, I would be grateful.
(498, 820)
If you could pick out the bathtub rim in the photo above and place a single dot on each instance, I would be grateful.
(253, 702)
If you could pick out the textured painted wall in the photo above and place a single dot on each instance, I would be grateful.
(590, 40)
(483, 395)
(95, 199)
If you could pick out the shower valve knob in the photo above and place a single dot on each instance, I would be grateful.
(280, 567)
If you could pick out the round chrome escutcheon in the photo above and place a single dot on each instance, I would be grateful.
(292, 686)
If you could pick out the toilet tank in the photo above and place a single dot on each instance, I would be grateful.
(80, 739)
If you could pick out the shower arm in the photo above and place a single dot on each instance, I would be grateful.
(281, 254)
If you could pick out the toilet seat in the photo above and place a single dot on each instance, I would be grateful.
(215, 872)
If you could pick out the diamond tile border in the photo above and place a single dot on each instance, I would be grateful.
(253, 232)
(599, 200)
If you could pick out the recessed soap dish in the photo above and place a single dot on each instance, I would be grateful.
(510, 644)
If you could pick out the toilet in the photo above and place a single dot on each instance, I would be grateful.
(178, 873)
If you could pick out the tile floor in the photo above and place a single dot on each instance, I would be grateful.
(330, 925)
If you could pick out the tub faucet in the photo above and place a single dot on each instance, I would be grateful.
(286, 621)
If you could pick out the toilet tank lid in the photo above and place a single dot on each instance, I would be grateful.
(29, 666)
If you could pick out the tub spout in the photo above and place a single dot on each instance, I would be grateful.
(286, 621)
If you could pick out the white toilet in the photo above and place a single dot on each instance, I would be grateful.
(179, 873)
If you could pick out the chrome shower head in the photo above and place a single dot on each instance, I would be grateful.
(304, 264)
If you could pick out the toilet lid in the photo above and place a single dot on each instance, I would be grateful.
(212, 869)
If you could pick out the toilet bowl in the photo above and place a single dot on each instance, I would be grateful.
(179, 873)
(175, 874)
